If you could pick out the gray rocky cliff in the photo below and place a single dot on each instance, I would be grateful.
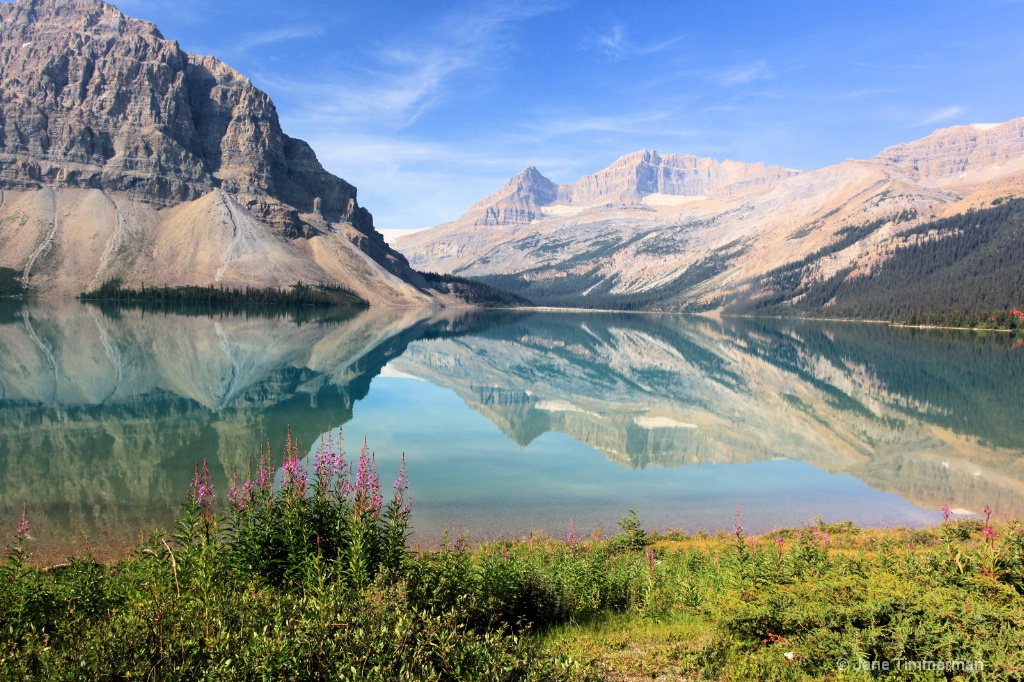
(91, 98)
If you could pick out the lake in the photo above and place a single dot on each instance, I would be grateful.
(510, 421)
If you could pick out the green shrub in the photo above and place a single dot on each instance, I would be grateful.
(633, 537)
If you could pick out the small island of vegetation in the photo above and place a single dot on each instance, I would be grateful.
(306, 575)
(325, 295)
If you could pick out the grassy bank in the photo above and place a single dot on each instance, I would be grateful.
(310, 579)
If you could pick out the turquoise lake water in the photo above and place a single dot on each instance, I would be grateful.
(510, 422)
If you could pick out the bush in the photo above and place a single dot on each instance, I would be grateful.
(337, 514)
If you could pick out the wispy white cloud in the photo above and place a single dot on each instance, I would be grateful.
(744, 75)
(395, 83)
(259, 39)
(724, 76)
(437, 181)
(864, 92)
(360, 116)
(616, 45)
(565, 124)
(944, 114)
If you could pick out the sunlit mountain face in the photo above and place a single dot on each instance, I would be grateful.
(510, 421)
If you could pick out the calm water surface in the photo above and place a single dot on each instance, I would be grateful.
(510, 422)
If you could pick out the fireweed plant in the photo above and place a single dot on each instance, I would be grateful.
(278, 521)
(336, 514)
(304, 574)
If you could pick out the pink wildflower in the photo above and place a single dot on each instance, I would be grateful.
(202, 492)
(294, 475)
(326, 466)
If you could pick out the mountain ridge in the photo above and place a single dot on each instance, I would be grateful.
(697, 233)
(629, 179)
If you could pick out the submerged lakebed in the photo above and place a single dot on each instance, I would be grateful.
(510, 421)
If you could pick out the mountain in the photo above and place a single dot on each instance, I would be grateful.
(678, 232)
(123, 156)
(628, 181)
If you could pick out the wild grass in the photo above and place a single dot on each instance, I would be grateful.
(306, 575)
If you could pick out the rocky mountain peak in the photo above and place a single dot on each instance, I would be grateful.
(92, 98)
(634, 176)
(672, 231)
(80, 15)
(518, 201)
(959, 155)
(644, 157)
(531, 182)
(626, 181)
(96, 104)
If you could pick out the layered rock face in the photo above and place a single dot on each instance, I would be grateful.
(519, 201)
(628, 180)
(91, 99)
(640, 174)
(961, 154)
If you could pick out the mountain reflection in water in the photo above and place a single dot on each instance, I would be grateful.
(103, 416)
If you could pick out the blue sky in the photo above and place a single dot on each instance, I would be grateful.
(427, 107)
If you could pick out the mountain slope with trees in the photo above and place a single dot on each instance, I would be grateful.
(957, 271)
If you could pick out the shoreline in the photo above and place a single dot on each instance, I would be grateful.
(113, 553)
(708, 314)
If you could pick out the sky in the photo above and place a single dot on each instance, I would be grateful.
(428, 107)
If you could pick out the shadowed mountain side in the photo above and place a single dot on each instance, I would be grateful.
(117, 411)
(670, 392)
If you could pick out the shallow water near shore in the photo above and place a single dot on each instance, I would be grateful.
(510, 421)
